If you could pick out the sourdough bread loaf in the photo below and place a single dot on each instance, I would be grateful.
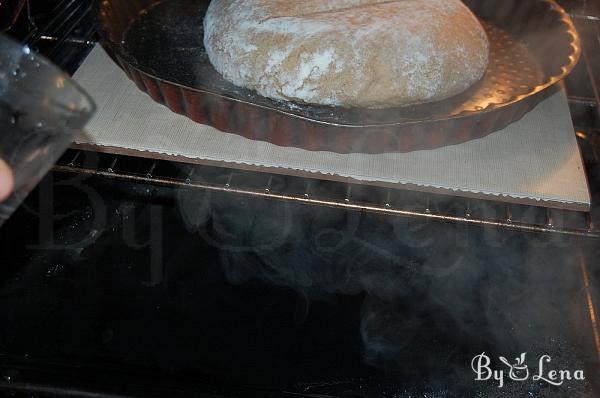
(354, 53)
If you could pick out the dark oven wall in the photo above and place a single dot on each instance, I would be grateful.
(112, 287)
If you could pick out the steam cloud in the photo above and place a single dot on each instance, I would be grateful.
(421, 281)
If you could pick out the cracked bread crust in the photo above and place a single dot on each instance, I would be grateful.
(354, 53)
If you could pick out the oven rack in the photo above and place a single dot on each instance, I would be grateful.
(63, 32)
(69, 34)
(356, 197)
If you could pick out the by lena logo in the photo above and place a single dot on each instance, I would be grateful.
(519, 371)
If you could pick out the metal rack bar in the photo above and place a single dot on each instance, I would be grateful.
(348, 194)
(228, 183)
(508, 215)
(582, 100)
(151, 170)
(549, 219)
(590, 71)
(585, 17)
(188, 180)
(69, 40)
(468, 210)
(72, 162)
(111, 168)
(268, 187)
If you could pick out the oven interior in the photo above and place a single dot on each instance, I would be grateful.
(125, 276)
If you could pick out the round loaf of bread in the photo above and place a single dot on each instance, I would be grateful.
(353, 53)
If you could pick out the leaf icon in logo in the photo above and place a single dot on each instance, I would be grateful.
(519, 370)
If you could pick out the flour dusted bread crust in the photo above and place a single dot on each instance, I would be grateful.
(356, 53)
